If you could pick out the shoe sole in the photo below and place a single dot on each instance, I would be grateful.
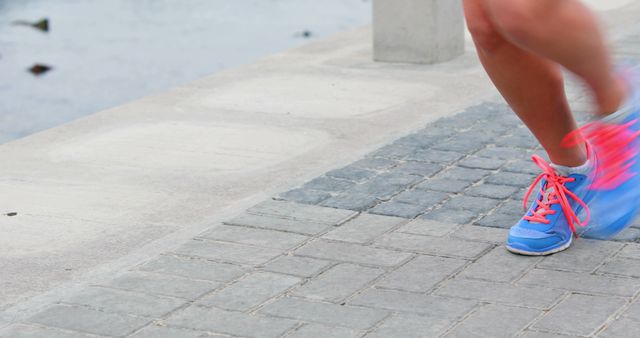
(541, 253)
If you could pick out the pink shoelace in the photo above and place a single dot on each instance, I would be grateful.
(553, 192)
(612, 144)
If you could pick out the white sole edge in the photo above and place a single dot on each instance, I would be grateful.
(544, 253)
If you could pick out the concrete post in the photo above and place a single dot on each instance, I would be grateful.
(417, 31)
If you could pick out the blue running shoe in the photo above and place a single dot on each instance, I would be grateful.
(616, 180)
(549, 224)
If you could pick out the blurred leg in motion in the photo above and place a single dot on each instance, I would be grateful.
(532, 84)
(522, 45)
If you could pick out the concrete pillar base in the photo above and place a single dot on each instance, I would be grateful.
(417, 31)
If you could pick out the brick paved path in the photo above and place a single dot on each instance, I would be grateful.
(406, 242)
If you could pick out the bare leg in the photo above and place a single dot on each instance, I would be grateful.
(567, 33)
(531, 84)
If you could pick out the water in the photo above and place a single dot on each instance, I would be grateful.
(108, 52)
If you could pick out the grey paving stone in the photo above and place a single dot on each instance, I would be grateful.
(476, 162)
(448, 215)
(474, 135)
(354, 253)
(279, 223)
(421, 197)
(504, 153)
(511, 207)
(228, 252)
(630, 251)
(492, 191)
(433, 156)
(494, 320)
(396, 178)
(135, 303)
(30, 331)
(481, 234)
(492, 111)
(428, 228)
(301, 212)
(583, 256)
(421, 274)
(393, 151)
(581, 282)
(633, 311)
(445, 185)
(456, 122)
(377, 188)
(364, 228)
(517, 141)
(580, 314)
(499, 265)
(296, 265)
(325, 313)
(464, 174)
(461, 145)
(89, 321)
(622, 267)
(303, 195)
(408, 325)
(538, 334)
(492, 292)
(398, 209)
(417, 168)
(324, 331)
(327, 184)
(258, 237)
(231, 323)
(375, 163)
(352, 173)
(522, 166)
(520, 194)
(250, 291)
(623, 327)
(521, 130)
(337, 283)
(352, 201)
(497, 126)
(160, 284)
(156, 331)
(471, 203)
(498, 220)
(627, 235)
(443, 246)
(433, 306)
(508, 178)
(418, 140)
(194, 268)
(433, 131)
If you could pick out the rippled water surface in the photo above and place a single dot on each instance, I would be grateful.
(108, 52)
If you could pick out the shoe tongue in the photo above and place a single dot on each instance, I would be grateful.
(547, 193)
(544, 199)
(561, 170)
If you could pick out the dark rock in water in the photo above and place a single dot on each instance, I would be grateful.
(39, 69)
(41, 25)
(304, 34)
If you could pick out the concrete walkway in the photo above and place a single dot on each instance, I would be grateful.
(156, 218)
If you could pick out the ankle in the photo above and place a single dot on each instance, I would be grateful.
(569, 157)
